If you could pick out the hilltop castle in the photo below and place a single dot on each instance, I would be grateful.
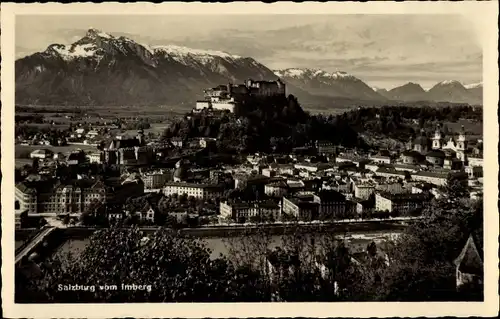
(226, 97)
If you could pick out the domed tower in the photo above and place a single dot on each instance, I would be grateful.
(421, 143)
(461, 145)
(437, 138)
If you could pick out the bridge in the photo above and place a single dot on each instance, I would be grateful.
(25, 250)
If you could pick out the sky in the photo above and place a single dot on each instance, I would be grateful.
(383, 50)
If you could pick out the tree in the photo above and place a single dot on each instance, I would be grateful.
(457, 186)
(421, 266)
(178, 270)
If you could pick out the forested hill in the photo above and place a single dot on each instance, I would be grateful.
(280, 124)
(401, 122)
(265, 124)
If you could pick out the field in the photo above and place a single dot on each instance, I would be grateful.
(22, 151)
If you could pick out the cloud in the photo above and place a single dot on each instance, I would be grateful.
(370, 46)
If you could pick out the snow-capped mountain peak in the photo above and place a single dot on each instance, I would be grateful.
(72, 51)
(92, 33)
(312, 73)
(185, 51)
(449, 82)
(474, 85)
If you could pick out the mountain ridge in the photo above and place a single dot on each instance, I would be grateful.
(102, 69)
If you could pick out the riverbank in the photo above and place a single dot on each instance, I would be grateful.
(238, 230)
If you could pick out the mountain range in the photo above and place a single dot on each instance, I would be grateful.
(102, 69)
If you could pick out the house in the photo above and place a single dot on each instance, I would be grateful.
(147, 213)
(469, 265)
(42, 154)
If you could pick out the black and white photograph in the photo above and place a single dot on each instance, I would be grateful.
(249, 158)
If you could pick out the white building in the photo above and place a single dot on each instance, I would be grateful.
(204, 191)
(95, 157)
(41, 154)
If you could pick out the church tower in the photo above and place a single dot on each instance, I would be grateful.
(410, 143)
(437, 138)
(461, 145)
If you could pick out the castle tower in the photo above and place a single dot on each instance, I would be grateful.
(436, 139)
(461, 145)
(281, 87)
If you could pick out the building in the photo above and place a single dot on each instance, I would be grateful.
(42, 154)
(96, 157)
(363, 190)
(54, 196)
(59, 197)
(147, 213)
(301, 207)
(435, 157)
(421, 144)
(474, 171)
(276, 189)
(20, 217)
(411, 157)
(128, 151)
(227, 97)
(382, 157)
(469, 266)
(401, 203)
(204, 191)
(243, 211)
(390, 172)
(434, 177)
(76, 158)
(325, 148)
(392, 187)
(475, 160)
(156, 179)
(332, 204)
(207, 142)
(312, 167)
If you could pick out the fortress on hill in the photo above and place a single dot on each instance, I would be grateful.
(226, 97)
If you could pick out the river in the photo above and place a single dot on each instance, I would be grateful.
(219, 245)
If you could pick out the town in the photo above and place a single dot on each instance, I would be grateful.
(135, 180)
(249, 158)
